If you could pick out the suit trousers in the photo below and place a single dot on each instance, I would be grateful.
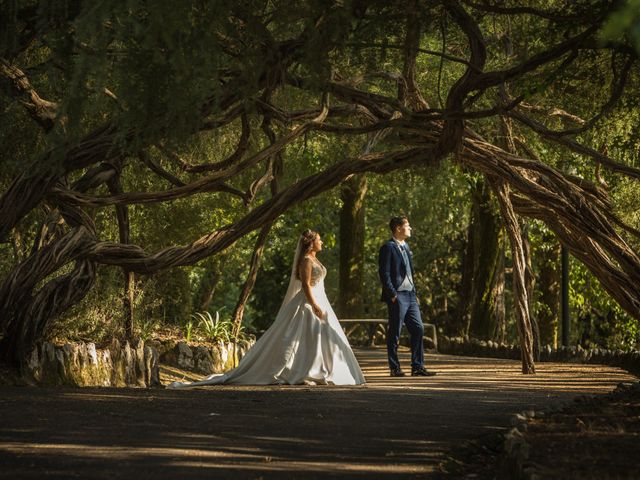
(405, 311)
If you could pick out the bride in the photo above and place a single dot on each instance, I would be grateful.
(305, 344)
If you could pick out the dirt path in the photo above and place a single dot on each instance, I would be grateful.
(390, 428)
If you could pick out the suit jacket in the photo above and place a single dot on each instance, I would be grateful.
(392, 269)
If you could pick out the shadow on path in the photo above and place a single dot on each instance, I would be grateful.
(389, 428)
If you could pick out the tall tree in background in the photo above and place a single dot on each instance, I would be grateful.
(548, 283)
(482, 300)
(352, 230)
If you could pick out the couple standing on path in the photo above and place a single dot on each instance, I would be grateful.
(306, 345)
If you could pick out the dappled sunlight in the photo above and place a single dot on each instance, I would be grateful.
(470, 374)
(388, 428)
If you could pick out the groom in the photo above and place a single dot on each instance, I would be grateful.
(396, 274)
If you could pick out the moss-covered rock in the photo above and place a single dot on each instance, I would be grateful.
(83, 365)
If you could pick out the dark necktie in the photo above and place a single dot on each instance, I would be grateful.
(405, 257)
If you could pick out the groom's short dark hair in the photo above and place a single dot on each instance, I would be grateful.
(396, 222)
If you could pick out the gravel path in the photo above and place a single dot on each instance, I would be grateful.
(390, 428)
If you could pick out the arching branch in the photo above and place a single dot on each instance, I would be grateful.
(42, 111)
(138, 260)
(619, 82)
(158, 170)
(553, 15)
(453, 128)
(211, 183)
(408, 91)
(574, 145)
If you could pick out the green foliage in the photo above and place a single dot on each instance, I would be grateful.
(624, 22)
(598, 321)
(146, 327)
(99, 317)
(188, 329)
(164, 61)
(436, 201)
(214, 329)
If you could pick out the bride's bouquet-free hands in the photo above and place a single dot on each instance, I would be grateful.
(317, 310)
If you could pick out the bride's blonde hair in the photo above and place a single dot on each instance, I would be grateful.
(306, 242)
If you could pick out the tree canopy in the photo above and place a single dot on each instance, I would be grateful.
(233, 113)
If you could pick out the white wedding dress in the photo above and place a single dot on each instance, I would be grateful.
(298, 348)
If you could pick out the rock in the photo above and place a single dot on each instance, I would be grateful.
(82, 364)
(152, 371)
(203, 360)
(92, 354)
(129, 368)
(34, 366)
(61, 367)
(139, 364)
(184, 356)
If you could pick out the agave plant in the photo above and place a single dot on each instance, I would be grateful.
(214, 328)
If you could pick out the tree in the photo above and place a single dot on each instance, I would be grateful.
(352, 230)
(482, 297)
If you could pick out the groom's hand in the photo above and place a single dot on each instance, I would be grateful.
(393, 300)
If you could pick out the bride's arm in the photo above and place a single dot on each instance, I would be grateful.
(305, 278)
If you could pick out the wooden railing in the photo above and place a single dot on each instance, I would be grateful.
(350, 325)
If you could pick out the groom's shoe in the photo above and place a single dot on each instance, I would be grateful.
(397, 373)
(422, 372)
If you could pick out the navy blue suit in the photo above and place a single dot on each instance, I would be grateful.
(405, 310)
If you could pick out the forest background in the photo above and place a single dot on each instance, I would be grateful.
(148, 67)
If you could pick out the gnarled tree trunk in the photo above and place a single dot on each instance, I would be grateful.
(484, 298)
(523, 316)
(122, 214)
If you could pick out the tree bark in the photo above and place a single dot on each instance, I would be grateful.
(250, 281)
(27, 315)
(352, 226)
(548, 260)
(210, 283)
(519, 276)
(499, 312)
(486, 230)
(463, 318)
(122, 214)
(530, 286)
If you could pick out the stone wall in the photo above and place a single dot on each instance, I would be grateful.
(137, 365)
(84, 365)
(204, 358)
(630, 361)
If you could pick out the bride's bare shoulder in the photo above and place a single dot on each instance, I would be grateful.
(305, 262)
